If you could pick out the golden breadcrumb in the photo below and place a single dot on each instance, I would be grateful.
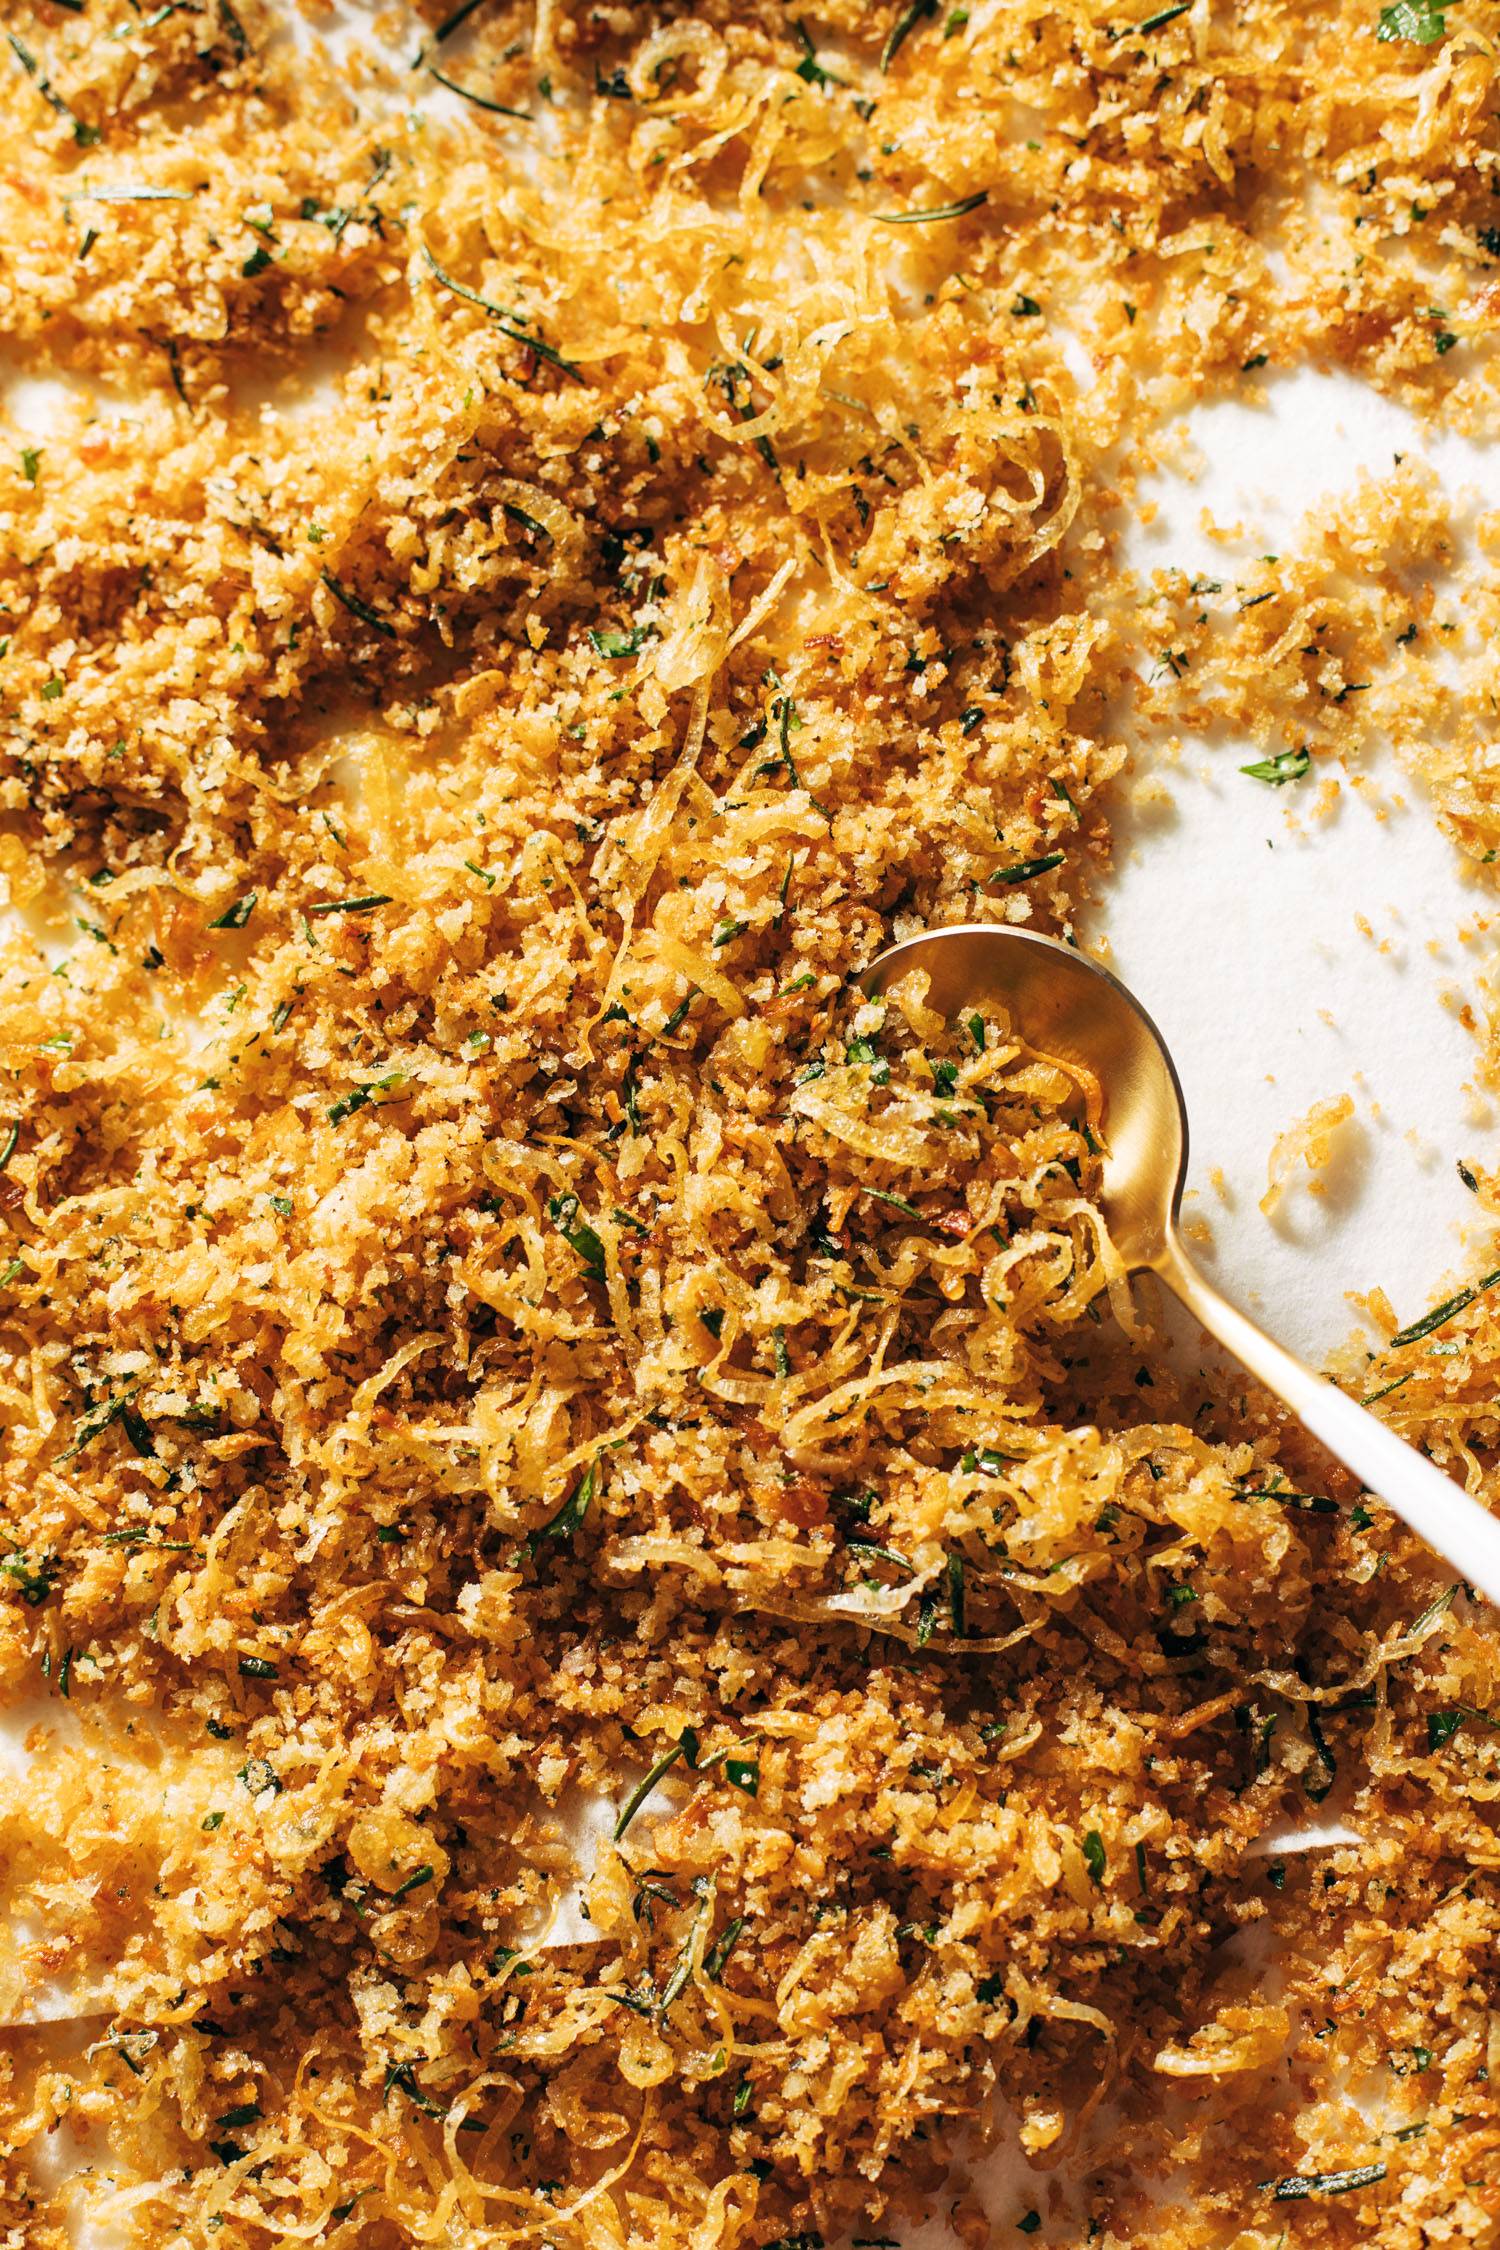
(546, 557)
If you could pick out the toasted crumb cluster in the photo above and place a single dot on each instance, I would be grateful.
(631, 1638)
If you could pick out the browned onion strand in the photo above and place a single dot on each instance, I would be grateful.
(489, 1317)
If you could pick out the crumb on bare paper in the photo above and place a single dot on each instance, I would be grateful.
(1311, 1142)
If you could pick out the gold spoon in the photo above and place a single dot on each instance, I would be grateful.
(1065, 1004)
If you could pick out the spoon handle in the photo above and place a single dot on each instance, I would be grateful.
(1456, 1525)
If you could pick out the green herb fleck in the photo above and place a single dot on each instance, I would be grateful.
(1287, 765)
(412, 1882)
(643, 1788)
(84, 135)
(902, 29)
(401, 2078)
(958, 210)
(1027, 868)
(36, 1583)
(896, 1202)
(716, 1961)
(569, 1517)
(360, 1097)
(810, 70)
(566, 1215)
(1301, 2184)
(102, 1417)
(480, 101)
(235, 917)
(1443, 1725)
(364, 905)
(1443, 1313)
(1420, 22)
(610, 643)
(356, 607)
(243, 2113)
(508, 323)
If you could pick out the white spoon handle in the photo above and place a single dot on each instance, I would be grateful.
(1454, 1524)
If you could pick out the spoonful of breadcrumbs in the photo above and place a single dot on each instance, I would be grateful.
(1065, 1005)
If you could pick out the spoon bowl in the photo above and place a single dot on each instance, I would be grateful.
(1063, 1004)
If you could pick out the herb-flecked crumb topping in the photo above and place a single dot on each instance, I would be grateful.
(629, 1628)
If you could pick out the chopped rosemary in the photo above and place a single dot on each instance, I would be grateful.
(1028, 868)
(84, 135)
(569, 1517)
(507, 322)
(957, 210)
(365, 904)
(716, 1961)
(810, 69)
(643, 1788)
(402, 2078)
(356, 607)
(565, 1212)
(235, 917)
(413, 1882)
(450, 24)
(239, 38)
(896, 1202)
(1300, 2184)
(902, 30)
(871, 1548)
(122, 1409)
(1443, 1313)
(956, 1593)
(137, 195)
(480, 101)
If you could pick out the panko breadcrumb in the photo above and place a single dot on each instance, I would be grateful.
(549, 556)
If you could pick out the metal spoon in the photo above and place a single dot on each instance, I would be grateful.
(1063, 1003)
